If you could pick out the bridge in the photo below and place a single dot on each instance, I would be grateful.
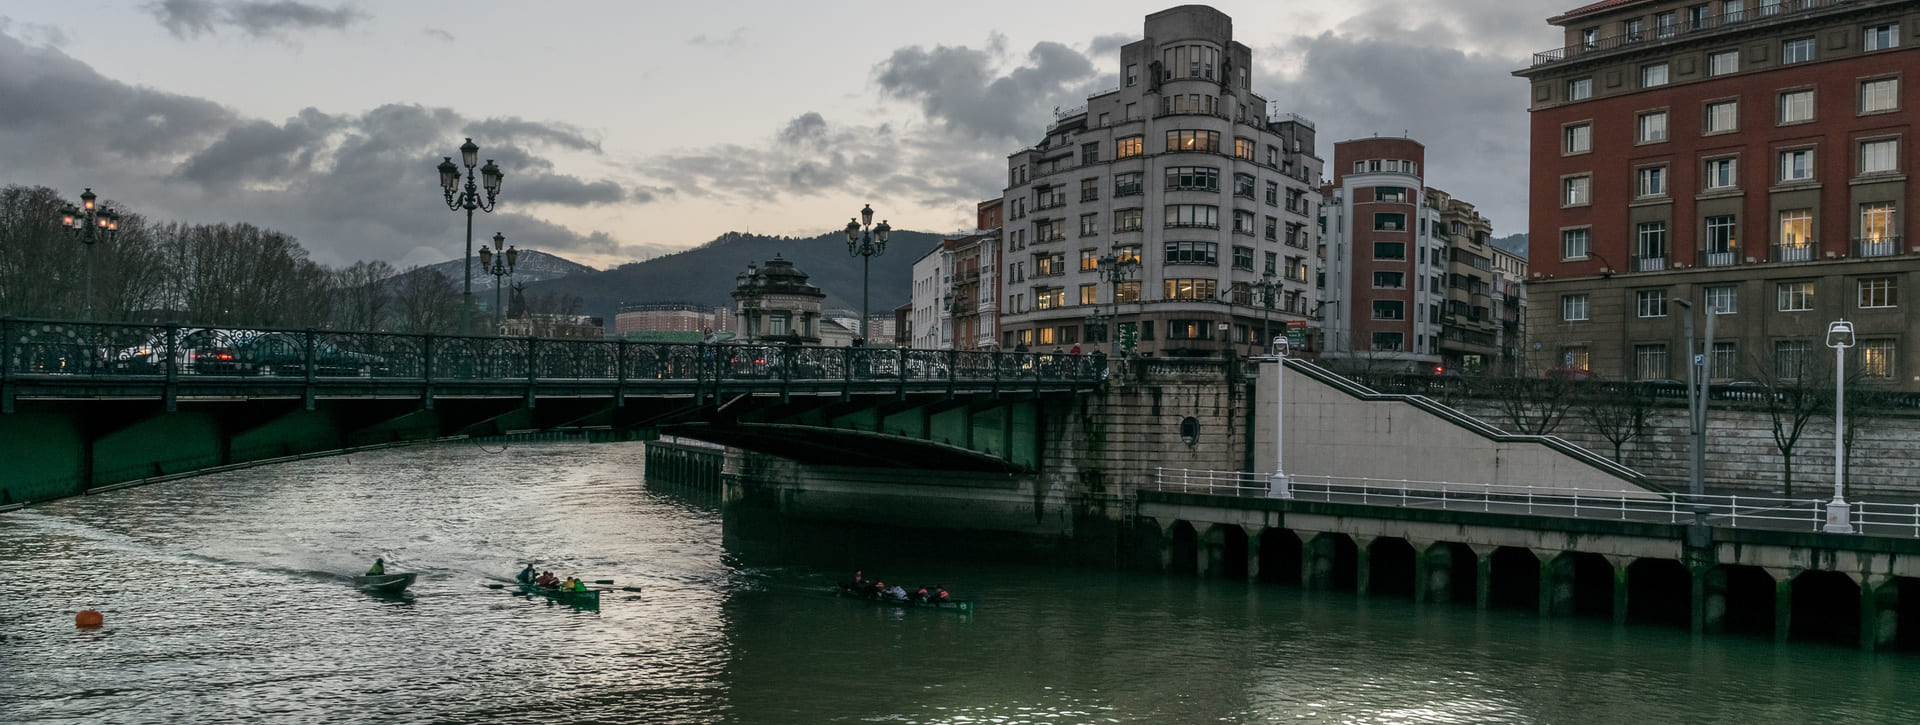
(91, 405)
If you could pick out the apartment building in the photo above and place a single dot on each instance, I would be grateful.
(670, 317)
(1510, 303)
(1152, 218)
(1749, 157)
(955, 296)
(1409, 272)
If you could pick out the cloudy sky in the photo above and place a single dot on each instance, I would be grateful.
(633, 127)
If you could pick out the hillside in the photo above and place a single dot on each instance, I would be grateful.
(531, 266)
(706, 274)
(1516, 243)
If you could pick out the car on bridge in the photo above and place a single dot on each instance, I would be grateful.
(213, 351)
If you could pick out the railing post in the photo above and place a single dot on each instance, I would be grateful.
(6, 364)
(953, 370)
(308, 395)
(426, 369)
(620, 373)
(169, 389)
(533, 367)
(900, 371)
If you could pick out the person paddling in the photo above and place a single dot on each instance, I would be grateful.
(379, 568)
(546, 579)
(527, 575)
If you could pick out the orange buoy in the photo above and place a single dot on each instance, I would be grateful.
(88, 619)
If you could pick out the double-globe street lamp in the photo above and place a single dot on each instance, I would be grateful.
(90, 223)
(499, 264)
(469, 199)
(866, 241)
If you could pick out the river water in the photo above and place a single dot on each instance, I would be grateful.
(225, 600)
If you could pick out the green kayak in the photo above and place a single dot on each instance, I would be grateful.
(589, 599)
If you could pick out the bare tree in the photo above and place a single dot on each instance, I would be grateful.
(40, 267)
(1789, 401)
(1867, 391)
(362, 295)
(1617, 412)
(1531, 406)
(425, 301)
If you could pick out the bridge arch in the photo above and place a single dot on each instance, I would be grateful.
(1825, 608)
(1513, 579)
(1226, 551)
(1390, 567)
(1581, 584)
(1183, 548)
(1332, 562)
(1453, 573)
(1280, 555)
(1659, 591)
(1742, 599)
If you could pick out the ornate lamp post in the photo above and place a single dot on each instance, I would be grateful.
(866, 241)
(1839, 514)
(1117, 266)
(499, 264)
(1265, 291)
(90, 224)
(469, 199)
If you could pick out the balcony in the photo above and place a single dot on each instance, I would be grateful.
(1792, 252)
(1650, 264)
(1727, 258)
(1707, 26)
(1881, 246)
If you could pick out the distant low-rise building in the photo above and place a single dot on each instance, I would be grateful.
(548, 327)
(670, 317)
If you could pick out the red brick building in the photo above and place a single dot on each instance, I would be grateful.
(1749, 156)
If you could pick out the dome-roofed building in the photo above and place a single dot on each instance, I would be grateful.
(774, 303)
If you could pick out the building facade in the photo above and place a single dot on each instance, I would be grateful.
(670, 317)
(773, 302)
(1510, 303)
(1145, 219)
(1748, 157)
(955, 289)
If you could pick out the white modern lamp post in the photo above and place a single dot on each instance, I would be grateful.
(1839, 515)
(1277, 485)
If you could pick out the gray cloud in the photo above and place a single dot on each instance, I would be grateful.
(1106, 45)
(349, 186)
(956, 88)
(257, 18)
(438, 34)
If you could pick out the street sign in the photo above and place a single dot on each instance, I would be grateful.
(1297, 338)
(1567, 360)
(1699, 361)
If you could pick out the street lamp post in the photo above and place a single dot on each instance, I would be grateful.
(1117, 266)
(1698, 376)
(499, 264)
(866, 241)
(90, 224)
(1277, 483)
(1265, 290)
(1839, 515)
(469, 199)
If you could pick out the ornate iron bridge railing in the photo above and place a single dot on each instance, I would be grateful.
(43, 350)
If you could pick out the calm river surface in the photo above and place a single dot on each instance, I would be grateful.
(225, 601)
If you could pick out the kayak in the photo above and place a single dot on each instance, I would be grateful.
(586, 599)
(388, 583)
(951, 605)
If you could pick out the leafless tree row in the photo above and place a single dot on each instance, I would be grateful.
(223, 274)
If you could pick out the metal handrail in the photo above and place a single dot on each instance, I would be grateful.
(1732, 511)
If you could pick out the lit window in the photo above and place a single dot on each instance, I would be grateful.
(1876, 223)
(1128, 147)
(1650, 362)
(1796, 236)
(1876, 358)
